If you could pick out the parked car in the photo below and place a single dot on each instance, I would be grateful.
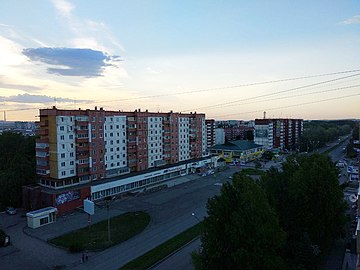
(4, 239)
(11, 210)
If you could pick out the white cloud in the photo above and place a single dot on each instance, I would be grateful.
(353, 20)
(65, 8)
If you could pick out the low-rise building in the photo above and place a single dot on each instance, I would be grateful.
(237, 151)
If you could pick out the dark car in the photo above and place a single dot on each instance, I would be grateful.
(10, 210)
(4, 239)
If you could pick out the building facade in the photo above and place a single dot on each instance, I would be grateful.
(210, 131)
(79, 148)
(237, 152)
(278, 133)
(219, 136)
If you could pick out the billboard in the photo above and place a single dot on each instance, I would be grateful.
(89, 207)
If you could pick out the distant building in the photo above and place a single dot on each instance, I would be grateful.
(233, 133)
(237, 151)
(219, 136)
(278, 133)
(25, 128)
(210, 131)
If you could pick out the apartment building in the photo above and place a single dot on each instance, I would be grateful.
(210, 130)
(79, 148)
(278, 133)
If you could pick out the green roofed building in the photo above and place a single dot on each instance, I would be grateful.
(237, 151)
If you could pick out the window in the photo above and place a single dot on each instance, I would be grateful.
(72, 163)
(62, 137)
(72, 154)
(63, 155)
(62, 164)
(63, 173)
(71, 137)
(61, 128)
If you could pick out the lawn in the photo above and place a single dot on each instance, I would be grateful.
(122, 227)
(153, 256)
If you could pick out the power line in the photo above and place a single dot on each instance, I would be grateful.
(220, 88)
(289, 106)
(271, 94)
(286, 97)
(231, 86)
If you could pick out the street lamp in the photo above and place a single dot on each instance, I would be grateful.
(108, 200)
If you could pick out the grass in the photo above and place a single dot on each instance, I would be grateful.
(252, 171)
(122, 227)
(153, 256)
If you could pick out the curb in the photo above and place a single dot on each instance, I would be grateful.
(172, 253)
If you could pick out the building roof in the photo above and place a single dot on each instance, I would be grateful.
(240, 145)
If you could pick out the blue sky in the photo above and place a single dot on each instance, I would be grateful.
(115, 53)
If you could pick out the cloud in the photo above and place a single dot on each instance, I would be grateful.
(27, 98)
(24, 87)
(64, 7)
(72, 61)
(353, 20)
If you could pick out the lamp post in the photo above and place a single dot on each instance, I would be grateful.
(108, 200)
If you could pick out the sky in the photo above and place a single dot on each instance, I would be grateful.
(228, 59)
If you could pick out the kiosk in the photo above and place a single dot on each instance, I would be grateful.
(41, 217)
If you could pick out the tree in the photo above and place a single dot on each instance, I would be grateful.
(17, 167)
(310, 205)
(268, 155)
(241, 231)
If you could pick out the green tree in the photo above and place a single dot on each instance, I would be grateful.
(241, 231)
(310, 204)
(17, 167)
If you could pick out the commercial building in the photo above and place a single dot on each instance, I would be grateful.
(237, 151)
(80, 149)
(278, 133)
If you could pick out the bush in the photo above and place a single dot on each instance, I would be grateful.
(76, 247)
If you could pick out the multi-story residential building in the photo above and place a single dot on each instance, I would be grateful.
(278, 133)
(219, 136)
(210, 130)
(79, 148)
(233, 133)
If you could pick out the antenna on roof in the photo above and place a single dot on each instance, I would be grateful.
(264, 115)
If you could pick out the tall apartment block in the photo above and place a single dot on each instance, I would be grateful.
(210, 130)
(79, 148)
(278, 133)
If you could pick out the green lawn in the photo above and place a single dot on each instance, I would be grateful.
(160, 252)
(122, 227)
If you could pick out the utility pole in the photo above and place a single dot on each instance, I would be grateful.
(108, 200)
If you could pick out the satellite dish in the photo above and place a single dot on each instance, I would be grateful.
(353, 198)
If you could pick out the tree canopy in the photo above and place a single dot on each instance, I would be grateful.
(241, 231)
(287, 221)
(310, 204)
(17, 167)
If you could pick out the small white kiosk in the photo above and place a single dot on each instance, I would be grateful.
(41, 217)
